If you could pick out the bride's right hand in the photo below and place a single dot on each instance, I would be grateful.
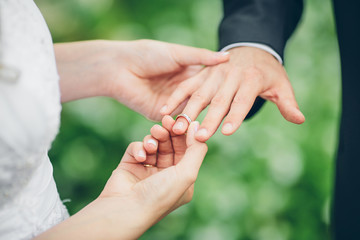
(140, 74)
(136, 196)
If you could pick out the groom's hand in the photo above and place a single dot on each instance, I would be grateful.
(231, 89)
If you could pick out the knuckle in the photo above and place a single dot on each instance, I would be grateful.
(273, 95)
(221, 70)
(204, 148)
(115, 171)
(183, 87)
(200, 98)
(132, 145)
(239, 99)
(252, 72)
(189, 198)
(219, 100)
(200, 147)
(191, 178)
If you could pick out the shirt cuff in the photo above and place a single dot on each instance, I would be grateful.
(256, 45)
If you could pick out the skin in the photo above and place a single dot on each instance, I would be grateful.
(140, 74)
(230, 90)
(136, 197)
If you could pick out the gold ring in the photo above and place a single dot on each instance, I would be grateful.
(148, 165)
(188, 119)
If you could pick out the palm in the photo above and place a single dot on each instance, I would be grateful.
(170, 151)
(152, 71)
(161, 189)
(146, 94)
(131, 172)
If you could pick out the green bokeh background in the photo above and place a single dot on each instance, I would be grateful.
(272, 180)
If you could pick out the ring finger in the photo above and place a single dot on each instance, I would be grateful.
(198, 101)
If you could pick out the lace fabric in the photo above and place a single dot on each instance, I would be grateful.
(29, 121)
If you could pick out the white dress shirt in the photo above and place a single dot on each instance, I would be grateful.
(256, 45)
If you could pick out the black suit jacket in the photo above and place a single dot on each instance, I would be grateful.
(272, 22)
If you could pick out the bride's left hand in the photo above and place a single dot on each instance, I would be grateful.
(136, 196)
(141, 74)
(138, 171)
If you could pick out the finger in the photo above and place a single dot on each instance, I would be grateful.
(219, 107)
(177, 178)
(178, 141)
(150, 144)
(185, 56)
(189, 165)
(190, 137)
(180, 108)
(241, 105)
(181, 176)
(183, 92)
(165, 156)
(135, 153)
(198, 101)
(168, 123)
(288, 106)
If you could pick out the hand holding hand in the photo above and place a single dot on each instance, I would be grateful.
(154, 177)
(231, 89)
(158, 174)
(161, 170)
(140, 74)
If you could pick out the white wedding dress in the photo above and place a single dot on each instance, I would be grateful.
(29, 121)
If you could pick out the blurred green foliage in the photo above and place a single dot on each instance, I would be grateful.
(272, 180)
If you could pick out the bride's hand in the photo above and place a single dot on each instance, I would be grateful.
(153, 178)
(158, 174)
(141, 168)
(141, 74)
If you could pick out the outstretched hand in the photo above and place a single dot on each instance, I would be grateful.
(231, 89)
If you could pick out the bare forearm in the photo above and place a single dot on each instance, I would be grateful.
(81, 66)
(102, 219)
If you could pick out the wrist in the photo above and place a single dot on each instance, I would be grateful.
(104, 218)
(84, 68)
(123, 217)
(252, 56)
(261, 46)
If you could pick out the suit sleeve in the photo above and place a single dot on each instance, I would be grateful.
(268, 22)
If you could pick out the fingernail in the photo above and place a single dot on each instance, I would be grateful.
(223, 53)
(178, 125)
(142, 154)
(202, 132)
(152, 142)
(227, 128)
(163, 109)
(196, 126)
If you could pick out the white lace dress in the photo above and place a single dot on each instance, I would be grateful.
(29, 120)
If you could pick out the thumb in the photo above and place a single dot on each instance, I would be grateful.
(190, 135)
(185, 56)
(288, 106)
(190, 164)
